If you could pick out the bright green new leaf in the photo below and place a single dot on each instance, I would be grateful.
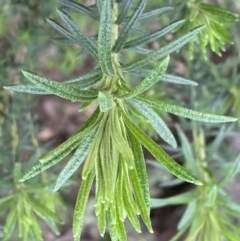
(81, 37)
(76, 160)
(162, 52)
(105, 39)
(222, 14)
(105, 100)
(60, 89)
(184, 112)
(157, 123)
(81, 205)
(151, 79)
(160, 154)
(140, 167)
(10, 224)
(128, 28)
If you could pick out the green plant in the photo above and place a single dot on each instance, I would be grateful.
(110, 141)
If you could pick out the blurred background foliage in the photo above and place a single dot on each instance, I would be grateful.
(26, 43)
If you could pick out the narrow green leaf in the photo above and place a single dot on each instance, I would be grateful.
(105, 39)
(52, 225)
(85, 78)
(120, 141)
(222, 14)
(160, 154)
(128, 27)
(212, 196)
(60, 89)
(125, 10)
(34, 230)
(184, 112)
(81, 205)
(129, 207)
(62, 30)
(29, 89)
(140, 167)
(74, 7)
(140, 199)
(76, 160)
(153, 36)
(157, 123)
(188, 215)
(120, 229)
(233, 171)
(10, 224)
(189, 159)
(151, 79)
(162, 52)
(17, 173)
(64, 41)
(158, 11)
(177, 80)
(140, 50)
(42, 209)
(174, 200)
(102, 220)
(81, 37)
(85, 106)
(105, 100)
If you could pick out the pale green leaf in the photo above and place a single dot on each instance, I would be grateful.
(105, 100)
(188, 215)
(76, 160)
(212, 196)
(29, 89)
(174, 200)
(177, 80)
(81, 205)
(128, 27)
(153, 36)
(151, 79)
(60, 89)
(81, 37)
(233, 171)
(184, 112)
(160, 154)
(105, 39)
(157, 123)
(162, 52)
